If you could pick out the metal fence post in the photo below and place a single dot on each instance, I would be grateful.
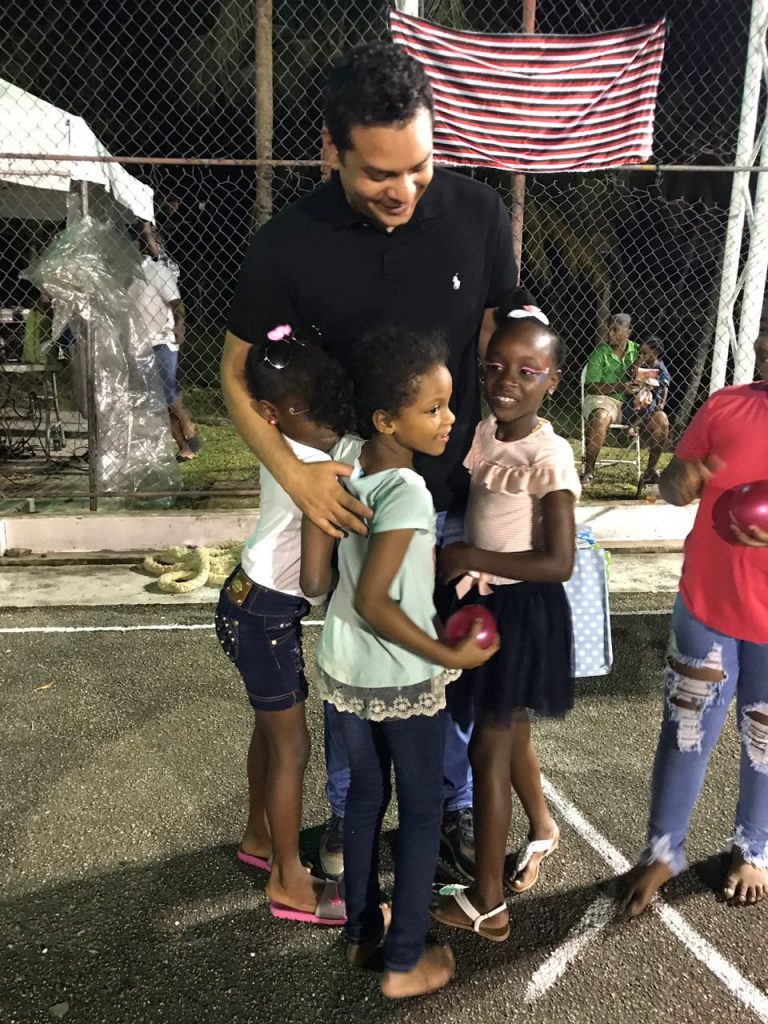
(263, 123)
(725, 334)
(90, 385)
(527, 27)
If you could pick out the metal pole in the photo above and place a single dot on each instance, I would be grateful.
(755, 275)
(753, 73)
(90, 386)
(263, 123)
(528, 27)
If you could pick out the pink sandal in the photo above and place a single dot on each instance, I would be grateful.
(330, 909)
(260, 863)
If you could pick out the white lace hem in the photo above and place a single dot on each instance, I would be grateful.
(379, 703)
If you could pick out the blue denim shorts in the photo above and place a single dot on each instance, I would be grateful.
(260, 632)
(167, 363)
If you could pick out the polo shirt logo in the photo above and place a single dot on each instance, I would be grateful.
(456, 282)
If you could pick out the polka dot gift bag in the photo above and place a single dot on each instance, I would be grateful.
(587, 592)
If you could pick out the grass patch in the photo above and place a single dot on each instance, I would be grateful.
(226, 459)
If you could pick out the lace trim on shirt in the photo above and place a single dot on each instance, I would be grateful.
(379, 703)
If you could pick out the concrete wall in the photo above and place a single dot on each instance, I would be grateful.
(636, 523)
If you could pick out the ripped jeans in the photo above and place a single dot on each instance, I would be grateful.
(695, 710)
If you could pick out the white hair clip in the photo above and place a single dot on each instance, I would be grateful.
(528, 311)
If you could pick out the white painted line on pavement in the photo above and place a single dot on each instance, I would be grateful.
(599, 914)
(739, 986)
(101, 629)
(157, 627)
(160, 627)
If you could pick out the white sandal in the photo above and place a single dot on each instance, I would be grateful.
(546, 847)
(476, 920)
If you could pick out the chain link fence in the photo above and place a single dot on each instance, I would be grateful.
(167, 83)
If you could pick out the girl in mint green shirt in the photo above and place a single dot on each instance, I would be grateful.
(380, 661)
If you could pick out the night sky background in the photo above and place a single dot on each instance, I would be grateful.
(176, 78)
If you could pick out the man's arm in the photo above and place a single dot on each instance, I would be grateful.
(487, 327)
(314, 487)
(179, 321)
(683, 481)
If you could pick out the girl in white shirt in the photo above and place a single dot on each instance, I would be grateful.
(299, 390)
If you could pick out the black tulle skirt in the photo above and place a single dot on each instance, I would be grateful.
(534, 666)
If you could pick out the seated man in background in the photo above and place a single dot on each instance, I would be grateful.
(607, 386)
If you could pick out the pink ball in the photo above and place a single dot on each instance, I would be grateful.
(749, 506)
(459, 625)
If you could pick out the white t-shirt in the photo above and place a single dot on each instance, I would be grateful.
(150, 297)
(272, 554)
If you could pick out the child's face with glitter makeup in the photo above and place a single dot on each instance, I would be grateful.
(519, 371)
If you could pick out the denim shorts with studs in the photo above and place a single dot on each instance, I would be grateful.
(260, 632)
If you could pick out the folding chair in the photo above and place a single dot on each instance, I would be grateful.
(614, 426)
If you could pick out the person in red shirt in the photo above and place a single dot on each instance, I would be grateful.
(718, 647)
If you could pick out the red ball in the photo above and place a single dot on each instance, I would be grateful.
(749, 506)
(459, 625)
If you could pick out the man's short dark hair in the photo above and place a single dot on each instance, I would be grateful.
(376, 84)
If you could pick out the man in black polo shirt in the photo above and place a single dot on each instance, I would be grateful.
(388, 240)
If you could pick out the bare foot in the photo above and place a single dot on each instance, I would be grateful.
(638, 886)
(433, 971)
(257, 846)
(297, 890)
(359, 953)
(528, 877)
(745, 884)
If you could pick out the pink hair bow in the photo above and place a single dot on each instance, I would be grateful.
(525, 311)
(280, 332)
(471, 579)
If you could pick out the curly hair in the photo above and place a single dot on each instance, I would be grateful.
(376, 84)
(519, 298)
(387, 366)
(313, 376)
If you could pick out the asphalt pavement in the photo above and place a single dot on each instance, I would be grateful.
(122, 797)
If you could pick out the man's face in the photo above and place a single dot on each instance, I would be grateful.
(618, 335)
(761, 357)
(387, 169)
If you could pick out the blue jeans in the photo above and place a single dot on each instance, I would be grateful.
(689, 734)
(456, 720)
(415, 747)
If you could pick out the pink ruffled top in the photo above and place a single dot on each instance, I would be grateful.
(509, 479)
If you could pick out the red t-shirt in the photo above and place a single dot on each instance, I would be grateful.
(724, 583)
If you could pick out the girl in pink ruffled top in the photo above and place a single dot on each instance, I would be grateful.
(519, 549)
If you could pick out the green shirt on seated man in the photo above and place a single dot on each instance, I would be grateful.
(605, 390)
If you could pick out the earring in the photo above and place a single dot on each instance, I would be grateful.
(273, 422)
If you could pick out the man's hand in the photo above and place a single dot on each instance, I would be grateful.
(753, 536)
(316, 490)
(452, 561)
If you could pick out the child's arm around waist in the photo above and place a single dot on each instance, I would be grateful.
(553, 564)
(316, 574)
(386, 551)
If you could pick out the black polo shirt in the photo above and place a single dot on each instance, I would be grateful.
(319, 261)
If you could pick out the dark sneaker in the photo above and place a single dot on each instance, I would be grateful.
(331, 850)
(457, 841)
(650, 476)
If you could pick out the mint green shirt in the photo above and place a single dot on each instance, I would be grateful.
(358, 670)
(604, 367)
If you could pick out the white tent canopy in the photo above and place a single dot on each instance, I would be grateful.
(39, 190)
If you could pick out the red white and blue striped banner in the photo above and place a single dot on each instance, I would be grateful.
(539, 103)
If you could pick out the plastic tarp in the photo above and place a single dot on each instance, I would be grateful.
(39, 189)
(87, 270)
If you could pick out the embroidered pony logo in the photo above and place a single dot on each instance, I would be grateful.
(456, 282)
